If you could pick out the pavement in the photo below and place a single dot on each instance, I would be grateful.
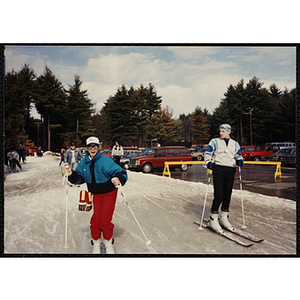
(255, 178)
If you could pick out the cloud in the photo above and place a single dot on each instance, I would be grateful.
(183, 86)
(185, 77)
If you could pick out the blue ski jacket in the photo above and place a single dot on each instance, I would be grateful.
(97, 173)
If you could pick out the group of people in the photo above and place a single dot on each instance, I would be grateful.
(13, 158)
(73, 155)
(102, 176)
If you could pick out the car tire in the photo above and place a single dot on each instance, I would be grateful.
(147, 168)
(199, 157)
(126, 166)
(183, 167)
(256, 158)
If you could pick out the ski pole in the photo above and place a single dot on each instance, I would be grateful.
(202, 217)
(241, 189)
(66, 216)
(148, 242)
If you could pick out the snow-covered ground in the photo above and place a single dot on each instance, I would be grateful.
(35, 214)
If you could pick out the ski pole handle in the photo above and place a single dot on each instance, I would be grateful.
(115, 180)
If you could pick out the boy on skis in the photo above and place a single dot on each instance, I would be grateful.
(222, 155)
(102, 175)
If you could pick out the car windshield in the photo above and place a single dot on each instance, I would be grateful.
(201, 150)
(150, 151)
(259, 147)
(285, 151)
(132, 154)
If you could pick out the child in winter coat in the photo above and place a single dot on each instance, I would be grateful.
(102, 175)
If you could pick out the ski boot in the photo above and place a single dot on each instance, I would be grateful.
(224, 220)
(96, 246)
(109, 246)
(214, 223)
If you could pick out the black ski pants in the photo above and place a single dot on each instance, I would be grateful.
(223, 183)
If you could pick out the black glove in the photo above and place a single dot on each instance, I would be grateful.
(239, 162)
(209, 165)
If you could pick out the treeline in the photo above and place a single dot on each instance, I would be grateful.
(135, 116)
(256, 114)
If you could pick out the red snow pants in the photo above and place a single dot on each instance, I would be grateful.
(104, 206)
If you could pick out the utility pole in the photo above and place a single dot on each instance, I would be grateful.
(250, 113)
(38, 123)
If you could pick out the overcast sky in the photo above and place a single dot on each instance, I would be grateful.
(185, 76)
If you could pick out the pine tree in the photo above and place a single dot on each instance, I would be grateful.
(163, 127)
(127, 113)
(199, 127)
(50, 102)
(258, 100)
(79, 109)
(185, 131)
(19, 87)
(284, 117)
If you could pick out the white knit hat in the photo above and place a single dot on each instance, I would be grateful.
(225, 126)
(92, 140)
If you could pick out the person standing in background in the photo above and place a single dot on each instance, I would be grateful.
(73, 156)
(117, 153)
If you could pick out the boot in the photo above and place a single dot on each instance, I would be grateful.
(109, 246)
(224, 220)
(214, 223)
(96, 246)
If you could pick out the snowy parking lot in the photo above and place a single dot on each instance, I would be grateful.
(35, 214)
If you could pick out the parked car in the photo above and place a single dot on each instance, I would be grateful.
(199, 155)
(246, 151)
(282, 144)
(126, 150)
(281, 153)
(261, 151)
(194, 149)
(124, 162)
(155, 157)
(288, 160)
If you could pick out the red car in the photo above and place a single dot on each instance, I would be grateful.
(259, 152)
(246, 151)
(156, 157)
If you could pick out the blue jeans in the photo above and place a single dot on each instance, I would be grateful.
(73, 165)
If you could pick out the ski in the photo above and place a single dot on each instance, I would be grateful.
(224, 234)
(245, 235)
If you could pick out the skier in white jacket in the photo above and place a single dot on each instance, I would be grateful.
(222, 155)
